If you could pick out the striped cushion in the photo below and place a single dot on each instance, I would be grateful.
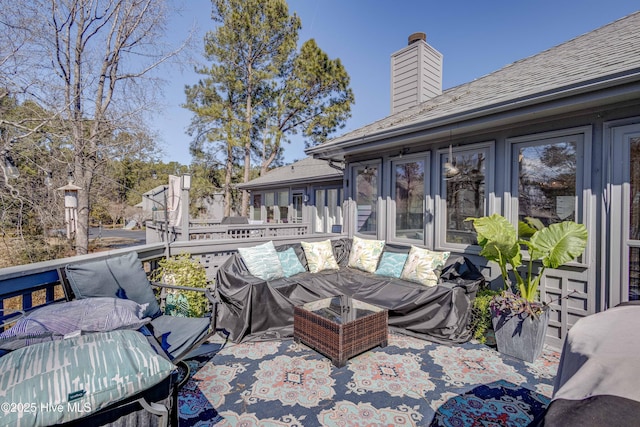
(88, 315)
(77, 376)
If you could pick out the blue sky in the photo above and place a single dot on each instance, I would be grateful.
(476, 38)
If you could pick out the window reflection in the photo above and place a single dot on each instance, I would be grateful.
(464, 192)
(634, 181)
(547, 182)
(409, 199)
(366, 196)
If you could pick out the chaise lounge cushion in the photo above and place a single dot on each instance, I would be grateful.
(66, 374)
(116, 277)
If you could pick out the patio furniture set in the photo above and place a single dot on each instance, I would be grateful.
(108, 355)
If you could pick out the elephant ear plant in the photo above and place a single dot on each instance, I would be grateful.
(552, 246)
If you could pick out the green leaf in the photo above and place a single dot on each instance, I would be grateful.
(559, 244)
(498, 239)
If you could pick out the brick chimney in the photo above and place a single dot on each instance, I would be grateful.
(416, 74)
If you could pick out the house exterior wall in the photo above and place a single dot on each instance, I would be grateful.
(317, 204)
(595, 277)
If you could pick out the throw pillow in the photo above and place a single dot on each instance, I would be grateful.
(262, 261)
(82, 374)
(86, 315)
(319, 256)
(290, 263)
(421, 266)
(116, 277)
(365, 254)
(391, 264)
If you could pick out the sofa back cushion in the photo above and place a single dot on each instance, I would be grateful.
(319, 256)
(391, 264)
(365, 254)
(290, 263)
(262, 261)
(116, 277)
(422, 264)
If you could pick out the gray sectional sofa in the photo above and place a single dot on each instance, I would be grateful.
(253, 309)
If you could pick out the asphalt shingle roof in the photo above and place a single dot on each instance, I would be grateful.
(599, 55)
(302, 171)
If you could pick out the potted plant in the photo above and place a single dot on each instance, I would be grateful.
(519, 319)
(182, 270)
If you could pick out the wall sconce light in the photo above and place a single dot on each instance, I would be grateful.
(186, 182)
(305, 198)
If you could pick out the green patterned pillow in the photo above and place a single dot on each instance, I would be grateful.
(365, 254)
(78, 376)
(262, 261)
(421, 265)
(319, 256)
(290, 263)
(391, 264)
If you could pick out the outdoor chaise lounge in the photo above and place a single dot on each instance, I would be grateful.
(106, 356)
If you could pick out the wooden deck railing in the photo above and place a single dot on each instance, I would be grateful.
(26, 287)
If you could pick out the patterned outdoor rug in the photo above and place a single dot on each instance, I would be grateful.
(410, 382)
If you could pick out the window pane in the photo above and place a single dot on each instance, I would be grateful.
(634, 274)
(333, 205)
(634, 161)
(320, 202)
(269, 202)
(283, 198)
(464, 191)
(366, 198)
(409, 198)
(547, 182)
(257, 205)
(283, 206)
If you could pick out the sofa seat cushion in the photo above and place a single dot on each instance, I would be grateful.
(116, 277)
(77, 376)
(178, 335)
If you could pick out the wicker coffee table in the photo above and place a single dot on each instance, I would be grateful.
(340, 327)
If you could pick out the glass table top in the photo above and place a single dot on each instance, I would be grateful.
(341, 309)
